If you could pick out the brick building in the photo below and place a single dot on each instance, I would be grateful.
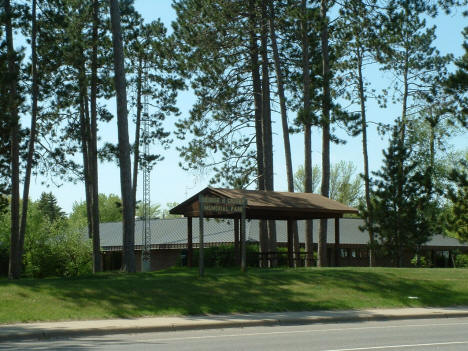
(169, 242)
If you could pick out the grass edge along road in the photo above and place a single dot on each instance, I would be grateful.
(179, 291)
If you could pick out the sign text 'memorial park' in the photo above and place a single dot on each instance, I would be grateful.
(222, 205)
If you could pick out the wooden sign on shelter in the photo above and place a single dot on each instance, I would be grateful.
(218, 205)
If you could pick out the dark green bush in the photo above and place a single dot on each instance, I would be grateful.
(3, 259)
(225, 256)
(52, 246)
(424, 262)
(461, 261)
(55, 249)
(4, 243)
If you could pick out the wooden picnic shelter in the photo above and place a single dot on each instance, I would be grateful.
(240, 204)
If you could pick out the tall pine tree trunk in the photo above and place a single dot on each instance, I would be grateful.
(362, 100)
(124, 144)
(136, 151)
(257, 93)
(309, 245)
(404, 107)
(84, 138)
(284, 123)
(432, 139)
(97, 259)
(433, 121)
(14, 271)
(282, 99)
(267, 133)
(325, 188)
(401, 170)
(32, 133)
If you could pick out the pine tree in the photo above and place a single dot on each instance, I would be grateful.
(92, 143)
(78, 31)
(32, 133)
(152, 67)
(12, 114)
(358, 25)
(457, 216)
(406, 49)
(224, 124)
(47, 205)
(229, 136)
(124, 145)
(457, 83)
(325, 122)
(305, 41)
(399, 202)
(4, 124)
(258, 116)
(300, 48)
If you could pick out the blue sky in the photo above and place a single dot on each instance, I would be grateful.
(170, 183)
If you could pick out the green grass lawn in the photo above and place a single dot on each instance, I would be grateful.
(182, 292)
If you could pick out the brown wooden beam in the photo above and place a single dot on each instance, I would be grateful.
(242, 238)
(337, 241)
(290, 242)
(277, 214)
(236, 240)
(189, 242)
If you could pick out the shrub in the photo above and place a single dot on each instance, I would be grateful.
(423, 261)
(4, 258)
(461, 261)
(225, 256)
(56, 249)
(51, 247)
(4, 243)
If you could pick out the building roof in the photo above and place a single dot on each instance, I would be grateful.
(261, 204)
(172, 233)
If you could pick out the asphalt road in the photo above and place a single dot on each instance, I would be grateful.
(409, 335)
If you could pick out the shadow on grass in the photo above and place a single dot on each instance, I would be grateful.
(182, 292)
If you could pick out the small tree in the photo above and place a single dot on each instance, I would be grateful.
(49, 208)
(345, 185)
(400, 205)
(169, 206)
(300, 178)
(110, 210)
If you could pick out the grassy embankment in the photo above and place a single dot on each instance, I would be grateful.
(182, 292)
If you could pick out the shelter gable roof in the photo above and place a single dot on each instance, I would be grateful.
(272, 201)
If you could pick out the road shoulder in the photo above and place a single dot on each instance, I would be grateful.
(23, 331)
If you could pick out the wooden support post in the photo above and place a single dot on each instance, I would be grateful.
(237, 252)
(189, 242)
(242, 237)
(337, 241)
(290, 242)
(296, 246)
(201, 264)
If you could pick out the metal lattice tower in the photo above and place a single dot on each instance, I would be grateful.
(146, 235)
